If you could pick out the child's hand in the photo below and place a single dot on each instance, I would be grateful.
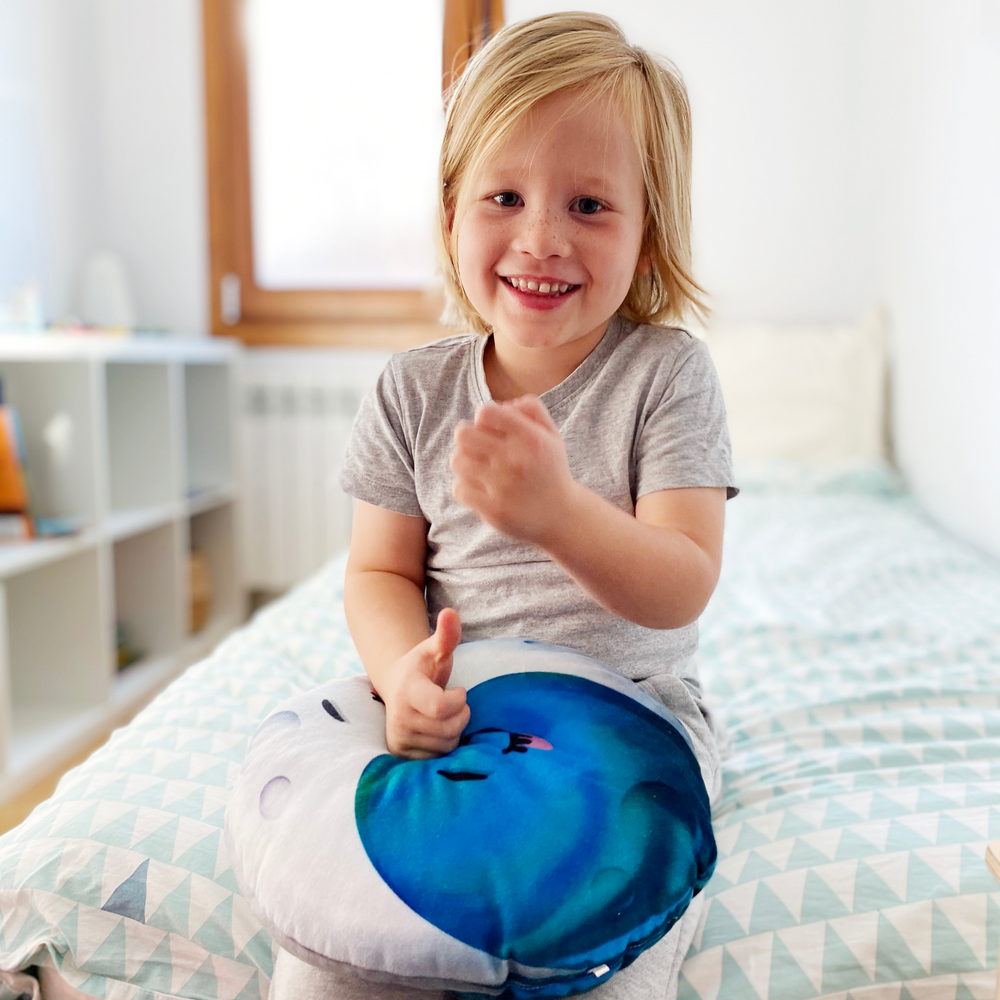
(422, 719)
(511, 468)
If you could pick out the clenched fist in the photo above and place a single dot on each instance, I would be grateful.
(510, 467)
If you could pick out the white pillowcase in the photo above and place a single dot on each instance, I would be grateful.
(804, 394)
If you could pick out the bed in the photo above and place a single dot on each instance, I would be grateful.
(852, 653)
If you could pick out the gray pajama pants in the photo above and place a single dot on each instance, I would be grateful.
(652, 976)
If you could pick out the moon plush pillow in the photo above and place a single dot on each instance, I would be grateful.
(565, 834)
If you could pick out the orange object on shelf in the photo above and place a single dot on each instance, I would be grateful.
(13, 485)
(201, 590)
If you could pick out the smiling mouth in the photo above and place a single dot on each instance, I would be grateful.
(551, 289)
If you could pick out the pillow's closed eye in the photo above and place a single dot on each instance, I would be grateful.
(506, 741)
(333, 711)
(463, 775)
(499, 738)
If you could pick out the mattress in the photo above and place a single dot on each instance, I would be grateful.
(852, 656)
(853, 649)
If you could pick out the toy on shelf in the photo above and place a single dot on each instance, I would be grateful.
(126, 650)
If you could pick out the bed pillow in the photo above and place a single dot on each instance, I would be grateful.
(565, 834)
(809, 394)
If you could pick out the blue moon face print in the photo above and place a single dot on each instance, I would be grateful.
(569, 827)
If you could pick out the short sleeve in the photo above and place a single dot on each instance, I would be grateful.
(684, 441)
(378, 466)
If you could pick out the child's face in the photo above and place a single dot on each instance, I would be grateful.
(561, 205)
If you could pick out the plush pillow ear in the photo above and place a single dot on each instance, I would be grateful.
(565, 834)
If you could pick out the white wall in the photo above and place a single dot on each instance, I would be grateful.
(102, 132)
(152, 101)
(935, 126)
(50, 171)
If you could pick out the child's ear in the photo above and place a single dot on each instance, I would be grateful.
(644, 265)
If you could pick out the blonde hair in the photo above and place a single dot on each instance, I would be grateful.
(531, 60)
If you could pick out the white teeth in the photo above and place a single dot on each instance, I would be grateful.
(542, 288)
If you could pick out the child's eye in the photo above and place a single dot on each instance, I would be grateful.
(588, 206)
(507, 199)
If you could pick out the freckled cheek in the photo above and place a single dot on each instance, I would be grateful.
(479, 249)
(615, 257)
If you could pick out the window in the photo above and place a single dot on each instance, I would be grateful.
(323, 127)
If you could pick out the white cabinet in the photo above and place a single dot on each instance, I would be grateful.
(134, 439)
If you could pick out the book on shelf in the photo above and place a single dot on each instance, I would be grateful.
(15, 517)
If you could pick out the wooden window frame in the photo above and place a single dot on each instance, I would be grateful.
(383, 318)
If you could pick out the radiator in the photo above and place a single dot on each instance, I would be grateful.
(298, 407)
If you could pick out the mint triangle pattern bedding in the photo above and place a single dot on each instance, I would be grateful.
(863, 780)
(853, 654)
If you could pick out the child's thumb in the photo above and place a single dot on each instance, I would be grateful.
(446, 637)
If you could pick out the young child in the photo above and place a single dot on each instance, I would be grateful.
(560, 471)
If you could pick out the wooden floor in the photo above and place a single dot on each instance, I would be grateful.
(16, 810)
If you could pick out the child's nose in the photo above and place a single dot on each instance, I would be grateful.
(542, 233)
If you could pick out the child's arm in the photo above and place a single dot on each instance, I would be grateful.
(387, 615)
(657, 569)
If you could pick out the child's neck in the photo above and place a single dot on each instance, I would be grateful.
(513, 371)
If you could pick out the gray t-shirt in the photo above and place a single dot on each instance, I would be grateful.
(643, 412)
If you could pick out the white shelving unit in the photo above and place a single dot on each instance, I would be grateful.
(134, 438)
